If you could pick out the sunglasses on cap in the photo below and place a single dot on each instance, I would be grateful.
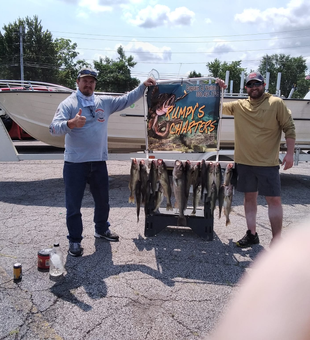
(256, 84)
(87, 72)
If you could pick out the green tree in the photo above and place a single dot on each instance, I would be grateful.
(217, 69)
(194, 74)
(67, 64)
(302, 88)
(293, 71)
(115, 75)
(39, 53)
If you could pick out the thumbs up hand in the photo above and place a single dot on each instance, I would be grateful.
(78, 121)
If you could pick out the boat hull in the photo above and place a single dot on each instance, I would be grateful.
(33, 111)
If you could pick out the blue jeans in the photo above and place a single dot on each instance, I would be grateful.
(76, 175)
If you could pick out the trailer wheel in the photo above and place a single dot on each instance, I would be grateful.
(7, 121)
(221, 158)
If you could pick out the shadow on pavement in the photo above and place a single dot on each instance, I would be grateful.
(50, 192)
(178, 259)
(90, 271)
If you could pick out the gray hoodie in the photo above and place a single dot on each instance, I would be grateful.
(89, 143)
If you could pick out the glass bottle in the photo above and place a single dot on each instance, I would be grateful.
(56, 262)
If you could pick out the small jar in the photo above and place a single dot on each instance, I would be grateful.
(44, 260)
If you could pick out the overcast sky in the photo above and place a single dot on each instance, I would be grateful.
(174, 37)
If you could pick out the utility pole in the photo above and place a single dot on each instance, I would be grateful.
(21, 53)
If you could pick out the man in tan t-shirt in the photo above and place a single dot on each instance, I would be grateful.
(259, 122)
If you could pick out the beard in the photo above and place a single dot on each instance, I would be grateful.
(87, 92)
(256, 92)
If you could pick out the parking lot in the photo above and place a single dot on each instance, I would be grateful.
(172, 286)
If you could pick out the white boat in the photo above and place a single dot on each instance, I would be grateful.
(32, 106)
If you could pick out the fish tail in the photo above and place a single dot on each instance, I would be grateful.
(138, 213)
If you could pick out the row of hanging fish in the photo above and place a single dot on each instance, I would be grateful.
(206, 178)
(149, 188)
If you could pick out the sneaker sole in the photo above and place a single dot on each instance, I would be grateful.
(75, 255)
(245, 246)
(106, 238)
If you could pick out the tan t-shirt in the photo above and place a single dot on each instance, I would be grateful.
(258, 128)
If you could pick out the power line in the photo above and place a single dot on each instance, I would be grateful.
(194, 42)
(208, 36)
(180, 62)
(173, 53)
(200, 52)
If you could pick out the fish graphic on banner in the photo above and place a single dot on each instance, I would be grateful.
(183, 117)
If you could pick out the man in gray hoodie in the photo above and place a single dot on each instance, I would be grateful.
(83, 119)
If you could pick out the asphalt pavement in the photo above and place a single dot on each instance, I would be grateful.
(171, 286)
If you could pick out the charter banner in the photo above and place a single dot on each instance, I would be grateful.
(183, 117)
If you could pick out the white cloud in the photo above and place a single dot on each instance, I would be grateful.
(86, 7)
(113, 2)
(288, 26)
(250, 15)
(143, 51)
(221, 48)
(295, 15)
(208, 21)
(70, 1)
(95, 4)
(161, 15)
(181, 16)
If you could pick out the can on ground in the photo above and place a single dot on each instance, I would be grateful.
(44, 260)
(17, 271)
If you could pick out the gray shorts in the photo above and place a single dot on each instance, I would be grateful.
(264, 179)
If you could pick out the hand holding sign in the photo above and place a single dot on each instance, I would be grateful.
(221, 83)
(150, 82)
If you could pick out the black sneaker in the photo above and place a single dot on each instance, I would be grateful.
(75, 249)
(248, 240)
(108, 235)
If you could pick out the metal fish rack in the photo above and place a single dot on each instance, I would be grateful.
(201, 223)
